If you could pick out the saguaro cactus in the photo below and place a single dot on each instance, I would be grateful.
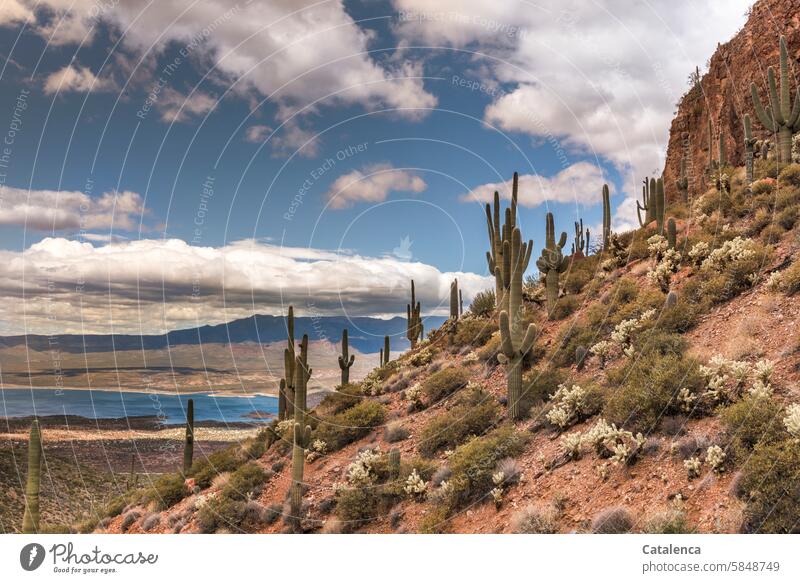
(454, 300)
(672, 234)
(712, 164)
(606, 219)
(394, 464)
(749, 149)
(780, 116)
(301, 375)
(30, 520)
(302, 438)
(498, 236)
(288, 368)
(682, 183)
(188, 446)
(345, 359)
(648, 204)
(552, 262)
(723, 158)
(580, 247)
(414, 319)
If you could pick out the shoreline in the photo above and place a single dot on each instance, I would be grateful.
(184, 392)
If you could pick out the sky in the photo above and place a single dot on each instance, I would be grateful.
(171, 164)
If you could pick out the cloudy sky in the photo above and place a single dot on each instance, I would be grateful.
(168, 164)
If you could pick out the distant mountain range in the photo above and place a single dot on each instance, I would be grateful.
(366, 334)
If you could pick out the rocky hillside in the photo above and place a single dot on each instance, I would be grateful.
(723, 93)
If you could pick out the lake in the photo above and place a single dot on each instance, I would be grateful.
(99, 404)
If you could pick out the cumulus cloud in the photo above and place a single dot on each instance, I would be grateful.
(157, 285)
(576, 184)
(53, 210)
(601, 80)
(257, 133)
(372, 184)
(13, 12)
(293, 51)
(177, 107)
(78, 79)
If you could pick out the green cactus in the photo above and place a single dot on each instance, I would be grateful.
(394, 464)
(580, 248)
(671, 300)
(300, 442)
(498, 236)
(414, 320)
(460, 303)
(712, 164)
(282, 407)
(385, 352)
(749, 149)
(288, 367)
(512, 354)
(672, 234)
(188, 446)
(552, 262)
(781, 116)
(301, 375)
(682, 183)
(723, 159)
(454, 292)
(648, 204)
(606, 219)
(30, 520)
(345, 359)
(580, 357)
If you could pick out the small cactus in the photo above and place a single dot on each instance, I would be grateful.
(188, 446)
(671, 300)
(385, 352)
(394, 464)
(606, 219)
(414, 329)
(30, 520)
(781, 117)
(672, 234)
(580, 357)
(749, 149)
(580, 248)
(345, 359)
(552, 262)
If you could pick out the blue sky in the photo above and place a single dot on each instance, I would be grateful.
(172, 147)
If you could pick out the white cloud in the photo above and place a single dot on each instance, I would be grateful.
(257, 133)
(372, 184)
(51, 210)
(579, 183)
(176, 107)
(600, 78)
(293, 51)
(157, 285)
(14, 11)
(76, 78)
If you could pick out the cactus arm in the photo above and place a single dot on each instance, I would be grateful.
(639, 208)
(529, 339)
(768, 121)
(506, 345)
(785, 103)
(795, 115)
(774, 97)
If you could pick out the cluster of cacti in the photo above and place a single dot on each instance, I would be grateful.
(551, 263)
(781, 117)
(499, 238)
(385, 351)
(580, 247)
(682, 183)
(414, 328)
(30, 520)
(652, 204)
(606, 218)
(345, 359)
(188, 446)
(286, 389)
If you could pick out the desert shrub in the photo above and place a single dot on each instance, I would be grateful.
(422, 357)
(483, 303)
(444, 382)
(434, 521)
(672, 521)
(612, 520)
(488, 352)
(204, 470)
(658, 341)
(769, 482)
(786, 198)
(167, 491)
(787, 218)
(565, 307)
(679, 318)
(790, 175)
(351, 424)
(772, 234)
(769, 168)
(151, 521)
(235, 514)
(728, 271)
(357, 506)
(343, 398)
(474, 331)
(790, 278)
(534, 520)
(449, 429)
(129, 519)
(474, 462)
(538, 385)
(580, 273)
(750, 422)
(647, 390)
(570, 337)
(395, 432)
(248, 479)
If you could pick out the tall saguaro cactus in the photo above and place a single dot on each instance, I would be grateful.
(749, 149)
(672, 233)
(552, 262)
(682, 183)
(414, 319)
(498, 236)
(660, 206)
(385, 351)
(454, 295)
(188, 445)
(30, 520)
(723, 158)
(648, 204)
(301, 375)
(301, 441)
(287, 385)
(712, 165)
(606, 219)
(345, 359)
(781, 116)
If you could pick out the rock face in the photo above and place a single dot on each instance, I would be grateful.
(724, 93)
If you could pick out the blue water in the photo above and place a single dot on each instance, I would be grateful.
(169, 408)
